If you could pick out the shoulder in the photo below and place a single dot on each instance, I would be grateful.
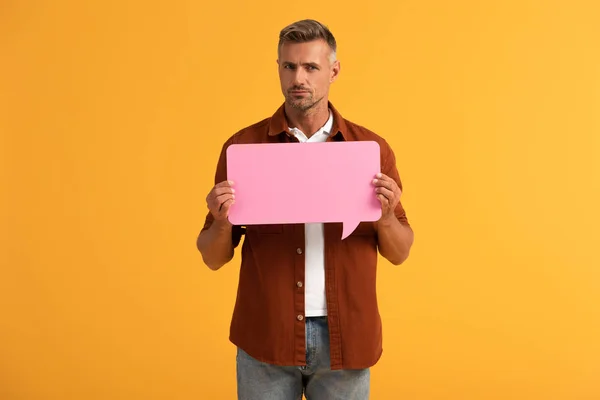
(356, 131)
(254, 133)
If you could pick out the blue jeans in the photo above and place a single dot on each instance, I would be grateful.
(257, 380)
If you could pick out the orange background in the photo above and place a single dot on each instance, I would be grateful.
(112, 116)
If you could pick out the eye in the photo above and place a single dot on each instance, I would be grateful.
(288, 66)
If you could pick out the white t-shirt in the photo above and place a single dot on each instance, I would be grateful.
(315, 303)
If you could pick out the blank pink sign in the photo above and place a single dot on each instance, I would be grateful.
(286, 183)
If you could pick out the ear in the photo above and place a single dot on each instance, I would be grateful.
(335, 71)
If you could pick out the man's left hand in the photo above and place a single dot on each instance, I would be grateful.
(388, 194)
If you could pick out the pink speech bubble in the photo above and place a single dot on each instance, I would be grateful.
(287, 183)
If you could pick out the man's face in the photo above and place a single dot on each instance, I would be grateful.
(306, 72)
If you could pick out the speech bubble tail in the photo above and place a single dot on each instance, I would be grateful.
(348, 228)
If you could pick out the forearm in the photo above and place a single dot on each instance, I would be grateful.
(394, 239)
(216, 245)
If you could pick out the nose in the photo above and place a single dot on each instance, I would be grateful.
(299, 77)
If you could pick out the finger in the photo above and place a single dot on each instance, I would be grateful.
(383, 177)
(222, 198)
(218, 189)
(213, 198)
(215, 204)
(389, 194)
(222, 190)
(224, 208)
(385, 203)
(224, 184)
(382, 183)
(388, 183)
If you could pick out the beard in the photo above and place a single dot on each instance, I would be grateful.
(302, 103)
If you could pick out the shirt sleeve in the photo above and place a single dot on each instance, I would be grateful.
(389, 168)
(220, 176)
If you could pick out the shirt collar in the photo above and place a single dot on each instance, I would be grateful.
(278, 123)
(324, 130)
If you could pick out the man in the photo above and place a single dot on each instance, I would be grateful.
(306, 317)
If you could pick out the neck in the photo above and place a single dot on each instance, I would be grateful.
(308, 121)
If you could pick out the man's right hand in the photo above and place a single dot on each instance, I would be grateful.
(220, 199)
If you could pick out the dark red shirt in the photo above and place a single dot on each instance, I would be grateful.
(268, 317)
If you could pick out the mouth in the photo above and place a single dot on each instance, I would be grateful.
(298, 92)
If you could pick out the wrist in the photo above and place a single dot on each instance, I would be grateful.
(222, 224)
(386, 221)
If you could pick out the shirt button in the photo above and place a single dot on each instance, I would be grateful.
(299, 284)
(300, 317)
(299, 250)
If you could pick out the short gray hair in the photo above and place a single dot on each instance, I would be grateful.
(307, 30)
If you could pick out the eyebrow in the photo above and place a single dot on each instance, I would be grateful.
(310, 64)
